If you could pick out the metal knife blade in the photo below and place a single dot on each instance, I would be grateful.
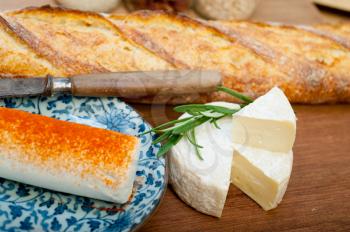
(21, 87)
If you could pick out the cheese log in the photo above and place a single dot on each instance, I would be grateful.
(261, 174)
(203, 184)
(67, 157)
(268, 123)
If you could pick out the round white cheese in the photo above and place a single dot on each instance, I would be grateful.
(254, 148)
(203, 184)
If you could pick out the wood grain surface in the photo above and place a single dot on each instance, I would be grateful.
(318, 196)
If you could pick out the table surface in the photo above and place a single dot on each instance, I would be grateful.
(318, 195)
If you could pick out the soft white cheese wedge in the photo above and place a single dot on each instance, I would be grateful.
(263, 135)
(203, 184)
(268, 123)
(263, 175)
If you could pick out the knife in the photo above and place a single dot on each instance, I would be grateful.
(120, 84)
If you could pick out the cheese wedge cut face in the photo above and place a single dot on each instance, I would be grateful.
(67, 157)
(267, 123)
(261, 174)
(263, 135)
(203, 184)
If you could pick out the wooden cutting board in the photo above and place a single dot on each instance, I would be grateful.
(318, 196)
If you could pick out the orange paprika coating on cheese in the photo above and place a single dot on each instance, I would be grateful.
(65, 146)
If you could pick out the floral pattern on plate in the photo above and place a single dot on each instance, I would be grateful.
(29, 208)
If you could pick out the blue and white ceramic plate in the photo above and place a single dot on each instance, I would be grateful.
(28, 208)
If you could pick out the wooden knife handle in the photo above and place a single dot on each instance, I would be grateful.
(141, 84)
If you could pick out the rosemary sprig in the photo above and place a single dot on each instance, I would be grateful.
(196, 146)
(235, 94)
(170, 133)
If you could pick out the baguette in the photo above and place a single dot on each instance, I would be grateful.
(67, 157)
(17, 58)
(310, 64)
(337, 32)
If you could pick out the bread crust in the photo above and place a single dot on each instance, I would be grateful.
(84, 42)
(303, 80)
(310, 65)
(17, 58)
(44, 49)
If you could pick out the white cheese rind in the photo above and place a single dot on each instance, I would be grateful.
(261, 174)
(203, 184)
(68, 181)
(268, 123)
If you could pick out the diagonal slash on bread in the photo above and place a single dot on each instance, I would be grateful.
(318, 63)
(310, 66)
(18, 58)
(337, 32)
(85, 42)
(258, 56)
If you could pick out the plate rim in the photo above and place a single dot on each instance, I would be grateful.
(161, 198)
(139, 226)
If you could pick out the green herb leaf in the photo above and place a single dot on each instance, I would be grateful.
(204, 108)
(211, 114)
(214, 121)
(158, 128)
(190, 139)
(190, 125)
(193, 134)
(190, 107)
(162, 137)
(191, 119)
(235, 94)
(172, 141)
